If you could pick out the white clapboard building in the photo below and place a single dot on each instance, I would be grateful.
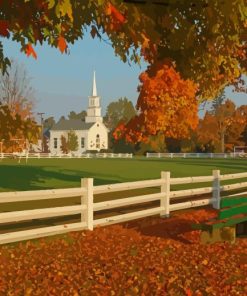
(92, 134)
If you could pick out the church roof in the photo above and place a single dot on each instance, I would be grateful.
(74, 124)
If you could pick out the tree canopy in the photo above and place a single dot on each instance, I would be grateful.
(203, 44)
(121, 110)
(205, 39)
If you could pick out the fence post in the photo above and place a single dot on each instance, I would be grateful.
(87, 199)
(165, 200)
(216, 189)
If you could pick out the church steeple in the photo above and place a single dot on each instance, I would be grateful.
(94, 109)
(94, 94)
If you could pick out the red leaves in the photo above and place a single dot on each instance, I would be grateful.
(61, 44)
(117, 18)
(135, 258)
(115, 13)
(30, 51)
(4, 28)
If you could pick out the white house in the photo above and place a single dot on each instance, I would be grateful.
(92, 134)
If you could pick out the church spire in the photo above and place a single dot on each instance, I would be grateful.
(94, 94)
(94, 109)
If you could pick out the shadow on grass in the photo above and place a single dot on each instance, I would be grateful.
(35, 178)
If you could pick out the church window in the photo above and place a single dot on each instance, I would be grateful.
(82, 142)
(97, 141)
(55, 142)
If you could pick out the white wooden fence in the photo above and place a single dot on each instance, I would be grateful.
(69, 155)
(87, 191)
(196, 155)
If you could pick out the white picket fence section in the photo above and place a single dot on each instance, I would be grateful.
(87, 191)
(196, 155)
(60, 155)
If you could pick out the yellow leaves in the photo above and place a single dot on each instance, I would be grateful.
(51, 4)
(62, 8)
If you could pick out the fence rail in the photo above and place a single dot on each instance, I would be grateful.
(88, 207)
(197, 155)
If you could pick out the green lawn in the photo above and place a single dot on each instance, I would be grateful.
(64, 173)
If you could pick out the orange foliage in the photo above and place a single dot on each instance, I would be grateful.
(166, 103)
(117, 18)
(30, 51)
(62, 45)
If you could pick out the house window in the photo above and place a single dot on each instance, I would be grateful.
(97, 141)
(55, 142)
(82, 142)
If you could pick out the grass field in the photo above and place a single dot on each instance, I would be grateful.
(64, 173)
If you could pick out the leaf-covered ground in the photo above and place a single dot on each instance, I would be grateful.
(151, 256)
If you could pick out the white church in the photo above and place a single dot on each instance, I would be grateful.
(92, 134)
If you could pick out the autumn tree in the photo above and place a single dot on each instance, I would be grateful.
(244, 136)
(235, 131)
(16, 132)
(72, 141)
(203, 42)
(223, 128)
(166, 104)
(205, 39)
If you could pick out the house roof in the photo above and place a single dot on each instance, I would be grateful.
(74, 124)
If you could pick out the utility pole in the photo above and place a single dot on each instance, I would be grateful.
(41, 121)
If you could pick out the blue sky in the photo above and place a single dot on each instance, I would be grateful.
(64, 82)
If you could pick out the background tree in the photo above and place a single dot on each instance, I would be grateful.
(121, 110)
(81, 115)
(72, 141)
(222, 129)
(49, 122)
(218, 101)
(244, 136)
(64, 145)
(16, 91)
